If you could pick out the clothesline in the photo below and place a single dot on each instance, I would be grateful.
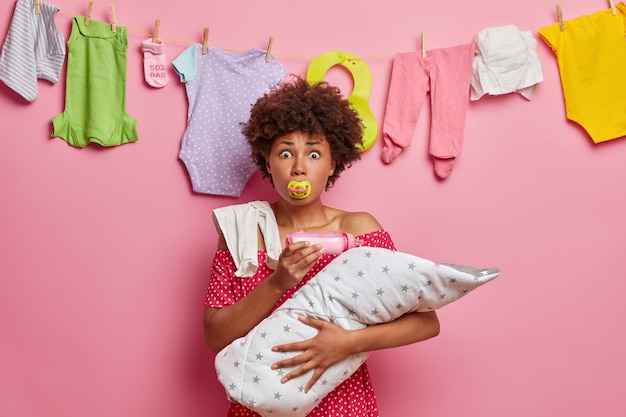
(521, 73)
(187, 43)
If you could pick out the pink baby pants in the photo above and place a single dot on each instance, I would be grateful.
(446, 74)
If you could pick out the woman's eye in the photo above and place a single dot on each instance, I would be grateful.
(315, 155)
(285, 154)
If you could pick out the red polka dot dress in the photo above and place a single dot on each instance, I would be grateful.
(355, 397)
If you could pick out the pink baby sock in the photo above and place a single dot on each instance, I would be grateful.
(154, 63)
(443, 166)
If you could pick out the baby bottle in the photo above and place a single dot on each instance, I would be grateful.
(333, 242)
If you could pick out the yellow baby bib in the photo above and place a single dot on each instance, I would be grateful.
(359, 98)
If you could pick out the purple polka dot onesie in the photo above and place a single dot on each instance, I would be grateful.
(221, 87)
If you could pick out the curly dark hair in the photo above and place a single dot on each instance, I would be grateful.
(313, 108)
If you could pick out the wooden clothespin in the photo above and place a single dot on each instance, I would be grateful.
(38, 8)
(612, 4)
(205, 41)
(89, 10)
(559, 14)
(155, 34)
(268, 55)
(113, 21)
(423, 44)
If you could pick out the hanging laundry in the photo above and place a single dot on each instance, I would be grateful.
(95, 96)
(360, 95)
(506, 62)
(221, 87)
(591, 55)
(33, 49)
(444, 73)
(155, 63)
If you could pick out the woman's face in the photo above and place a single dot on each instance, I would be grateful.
(300, 165)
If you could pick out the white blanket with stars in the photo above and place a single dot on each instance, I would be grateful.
(361, 287)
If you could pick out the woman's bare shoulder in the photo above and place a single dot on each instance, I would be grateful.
(359, 223)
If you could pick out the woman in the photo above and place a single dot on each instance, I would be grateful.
(302, 137)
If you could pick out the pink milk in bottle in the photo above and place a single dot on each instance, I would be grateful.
(333, 242)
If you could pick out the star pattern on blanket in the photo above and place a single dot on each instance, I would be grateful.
(386, 269)
(365, 286)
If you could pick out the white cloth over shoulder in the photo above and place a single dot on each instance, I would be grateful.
(360, 287)
(506, 61)
(239, 224)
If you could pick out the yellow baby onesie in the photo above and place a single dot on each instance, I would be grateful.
(591, 56)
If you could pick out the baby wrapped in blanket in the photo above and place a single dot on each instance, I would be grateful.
(360, 287)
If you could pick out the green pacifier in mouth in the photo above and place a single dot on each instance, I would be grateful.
(299, 189)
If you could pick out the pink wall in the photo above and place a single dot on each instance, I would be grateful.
(106, 252)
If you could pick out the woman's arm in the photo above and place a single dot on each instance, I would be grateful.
(333, 344)
(407, 329)
(223, 325)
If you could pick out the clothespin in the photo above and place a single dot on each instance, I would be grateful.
(38, 9)
(612, 4)
(155, 34)
(268, 55)
(423, 44)
(113, 22)
(89, 10)
(559, 13)
(205, 41)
